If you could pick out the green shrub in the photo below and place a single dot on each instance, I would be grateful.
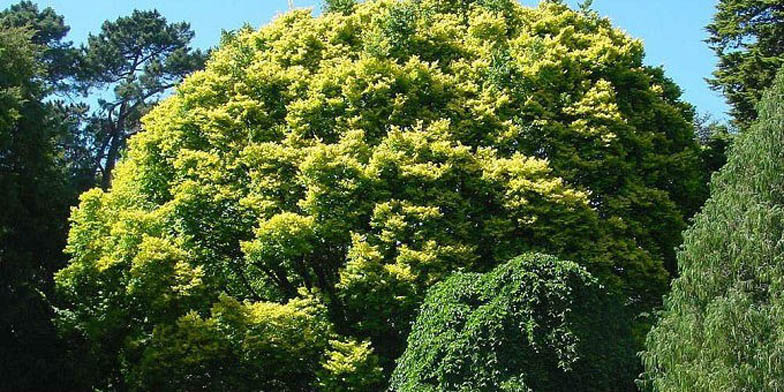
(535, 323)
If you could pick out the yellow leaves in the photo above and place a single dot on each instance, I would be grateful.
(365, 155)
(159, 267)
(280, 239)
(597, 113)
(344, 356)
(486, 25)
(426, 154)
(525, 179)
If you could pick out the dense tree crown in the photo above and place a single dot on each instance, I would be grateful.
(58, 58)
(535, 323)
(746, 35)
(723, 325)
(323, 172)
(33, 214)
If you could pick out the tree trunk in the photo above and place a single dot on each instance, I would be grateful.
(111, 160)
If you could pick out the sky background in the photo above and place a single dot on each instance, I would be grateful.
(672, 30)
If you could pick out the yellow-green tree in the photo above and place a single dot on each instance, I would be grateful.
(358, 157)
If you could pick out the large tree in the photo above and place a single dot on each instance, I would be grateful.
(137, 59)
(361, 156)
(723, 324)
(33, 216)
(60, 59)
(747, 37)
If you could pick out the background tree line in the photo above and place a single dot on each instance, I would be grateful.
(265, 202)
(67, 113)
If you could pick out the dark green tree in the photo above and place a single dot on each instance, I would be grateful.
(33, 213)
(138, 58)
(747, 37)
(535, 323)
(714, 139)
(723, 324)
(59, 57)
(61, 64)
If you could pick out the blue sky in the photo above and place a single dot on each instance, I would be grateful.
(673, 30)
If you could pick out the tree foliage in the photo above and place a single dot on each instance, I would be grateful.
(33, 219)
(722, 327)
(746, 36)
(58, 57)
(364, 155)
(137, 58)
(535, 323)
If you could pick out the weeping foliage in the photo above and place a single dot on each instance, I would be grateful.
(535, 323)
(363, 155)
(723, 325)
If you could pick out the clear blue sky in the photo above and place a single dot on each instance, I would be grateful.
(673, 30)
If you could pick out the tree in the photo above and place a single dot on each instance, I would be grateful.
(714, 139)
(33, 219)
(61, 64)
(366, 155)
(746, 36)
(722, 326)
(344, 6)
(59, 58)
(535, 323)
(139, 58)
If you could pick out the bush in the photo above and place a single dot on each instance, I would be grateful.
(535, 323)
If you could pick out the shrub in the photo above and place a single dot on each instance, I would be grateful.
(535, 323)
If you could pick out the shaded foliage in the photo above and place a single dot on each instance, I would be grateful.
(746, 36)
(33, 216)
(60, 60)
(535, 323)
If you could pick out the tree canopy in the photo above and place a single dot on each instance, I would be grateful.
(354, 159)
(746, 35)
(137, 58)
(58, 57)
(32, 218)
(722, 327)
(535, 323)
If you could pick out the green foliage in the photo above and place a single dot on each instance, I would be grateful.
(252, 347)
(363, 156)
(136, 58)
(33, 216)
(535, 323)
(746, 36)
(722, 327)
(344, 6)
(58, 57)
(715, 139)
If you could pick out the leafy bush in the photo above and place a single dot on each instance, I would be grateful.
(723, 325)
(535, 323)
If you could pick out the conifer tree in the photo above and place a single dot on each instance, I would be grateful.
(723, 324)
